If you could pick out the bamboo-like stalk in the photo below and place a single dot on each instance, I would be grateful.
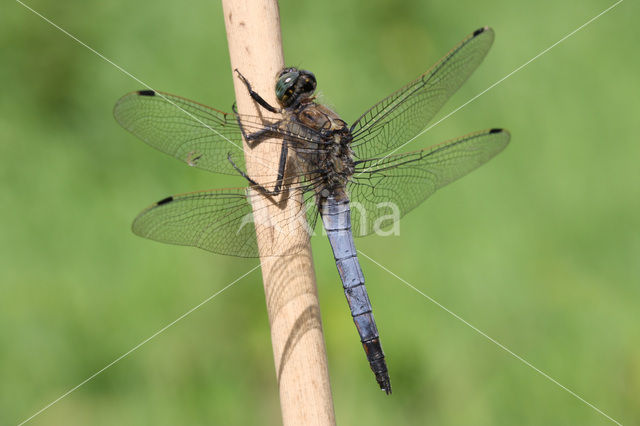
(255, 48)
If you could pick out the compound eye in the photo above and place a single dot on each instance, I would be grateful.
(309, 84)
(285, 84)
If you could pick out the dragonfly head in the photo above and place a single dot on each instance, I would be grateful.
(293, 85)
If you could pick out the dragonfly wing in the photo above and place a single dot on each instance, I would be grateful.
(405, 113)
(394, 185)
(196, 134)
(222, 221)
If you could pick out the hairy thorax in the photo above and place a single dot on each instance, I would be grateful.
(332, 154)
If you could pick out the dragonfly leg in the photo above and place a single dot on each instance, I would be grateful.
(254, 95)
(269, 130)
(281, 169)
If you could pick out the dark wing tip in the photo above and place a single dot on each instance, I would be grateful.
(146, 93)
(164, 201)
(496, 131)
(480, 31)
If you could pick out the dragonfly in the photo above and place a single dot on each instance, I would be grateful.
(325, 169)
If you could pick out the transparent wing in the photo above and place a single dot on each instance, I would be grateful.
(401, 116)
(392, 186)
(222, 221)
(197, 134)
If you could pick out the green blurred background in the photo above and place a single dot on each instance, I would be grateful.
(539, 248)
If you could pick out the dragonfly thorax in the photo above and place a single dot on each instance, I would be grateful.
(332, 156)
(338, 165)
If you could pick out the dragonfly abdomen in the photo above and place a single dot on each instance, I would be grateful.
(336, 216)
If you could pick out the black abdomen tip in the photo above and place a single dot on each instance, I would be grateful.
(385, 383)
(164, 201)
(146, 93)
(496, 130)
